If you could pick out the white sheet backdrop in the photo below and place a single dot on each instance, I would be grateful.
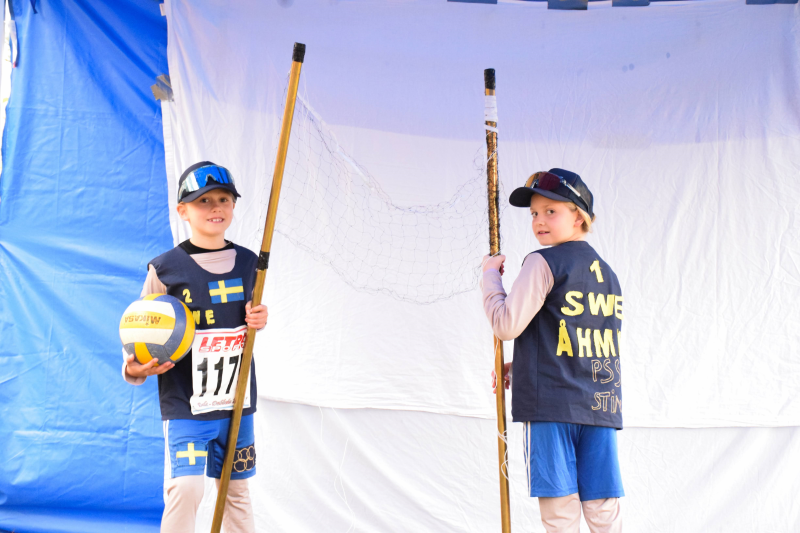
(683, 117)
(346, 470)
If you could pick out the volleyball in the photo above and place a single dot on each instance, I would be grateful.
(157, 326)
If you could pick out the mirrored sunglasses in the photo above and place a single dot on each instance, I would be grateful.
(201, 177)
(547, 181)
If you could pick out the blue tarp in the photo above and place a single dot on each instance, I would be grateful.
(83, 207)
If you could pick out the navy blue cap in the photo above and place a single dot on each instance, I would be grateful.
(571, 189)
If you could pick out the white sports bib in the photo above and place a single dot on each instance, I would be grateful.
(216, 361)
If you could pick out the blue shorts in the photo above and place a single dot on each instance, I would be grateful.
(563, 459)
(198, 446)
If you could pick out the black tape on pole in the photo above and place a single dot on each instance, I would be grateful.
(299, 52)
(263, 261)
(489, 79)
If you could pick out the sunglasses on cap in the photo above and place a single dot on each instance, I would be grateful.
(557, 184)
(201, 177)
(547, 181)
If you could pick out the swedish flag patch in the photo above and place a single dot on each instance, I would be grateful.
(226, 290)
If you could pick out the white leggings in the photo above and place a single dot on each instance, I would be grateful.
(183, 497)
(563, 515)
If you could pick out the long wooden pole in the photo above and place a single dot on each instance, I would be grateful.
(261, 274)
(494, 248)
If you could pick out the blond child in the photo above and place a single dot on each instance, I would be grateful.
(564, 313)
(211, 276)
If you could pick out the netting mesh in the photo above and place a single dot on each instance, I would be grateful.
(335, 210)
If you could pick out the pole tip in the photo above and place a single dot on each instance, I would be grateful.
(299, 52)
(488, 78)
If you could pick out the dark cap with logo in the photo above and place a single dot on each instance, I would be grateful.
(557, 184)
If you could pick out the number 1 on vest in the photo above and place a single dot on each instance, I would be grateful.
(596, 269)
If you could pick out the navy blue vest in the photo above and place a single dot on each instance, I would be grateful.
(216, 302)
(567, 361)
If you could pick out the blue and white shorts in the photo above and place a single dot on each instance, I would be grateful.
(563, 459)
(194, 447)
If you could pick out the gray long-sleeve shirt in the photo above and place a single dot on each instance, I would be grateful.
(509, 314)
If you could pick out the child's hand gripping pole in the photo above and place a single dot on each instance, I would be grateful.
(261, 274)
(490, 118)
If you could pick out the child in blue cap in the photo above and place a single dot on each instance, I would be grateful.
(564, 313)
(214, 278)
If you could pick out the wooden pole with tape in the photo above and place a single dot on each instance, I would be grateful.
(261, 274)
(490, 117)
